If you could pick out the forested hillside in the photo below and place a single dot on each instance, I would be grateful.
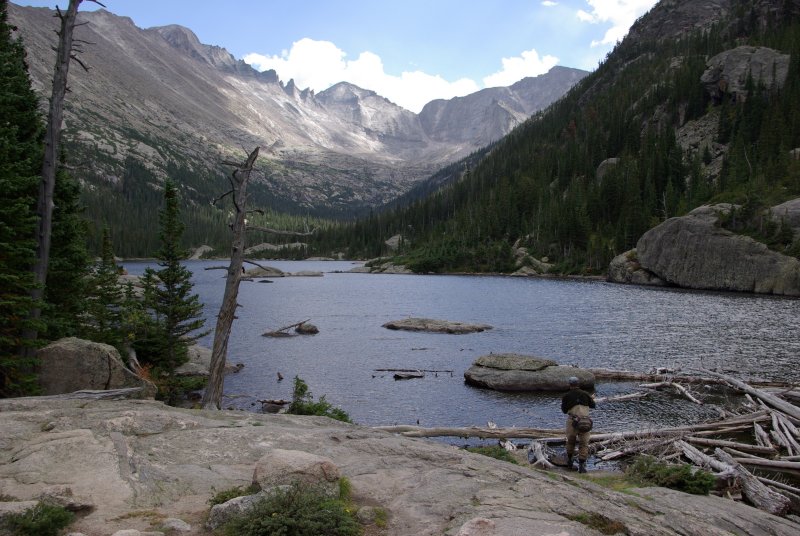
(541, 183)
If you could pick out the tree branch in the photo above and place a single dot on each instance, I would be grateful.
(284, 233)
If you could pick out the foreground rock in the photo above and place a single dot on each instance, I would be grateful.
(435, 326)
(199, 363)
(693, 251)
(73, 364)
(515, 372)
(140, 464)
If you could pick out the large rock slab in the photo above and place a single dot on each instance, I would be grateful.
(435, 326)
(788, 212)
(625, 268)
(515, 372)
(73, 364)
(130, 457)
(693, 251)
(728, 71)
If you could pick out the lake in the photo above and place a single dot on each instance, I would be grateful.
(586, 323)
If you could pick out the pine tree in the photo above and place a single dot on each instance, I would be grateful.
(20, 161)
(68, 279)
(105, 303)
(175, 313)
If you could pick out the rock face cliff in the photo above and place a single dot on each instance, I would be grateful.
(694, 251)
(140, 466)
(160, 95)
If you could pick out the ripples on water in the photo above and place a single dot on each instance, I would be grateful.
(586, 323)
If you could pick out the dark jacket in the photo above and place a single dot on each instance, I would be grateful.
(576, 397)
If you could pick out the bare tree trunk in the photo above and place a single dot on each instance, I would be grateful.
(212, 397)
(55, 115)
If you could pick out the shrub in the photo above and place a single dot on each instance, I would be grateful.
(303, 404)
(41, 520)
(600, 523)
(227, 494)
(299, 510)
(498, 453)
(682, 477)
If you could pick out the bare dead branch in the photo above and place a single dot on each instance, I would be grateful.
(220, 198)
(248, 261)
(79, 62)
(282, 233)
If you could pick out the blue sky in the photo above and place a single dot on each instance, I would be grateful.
(410, 51)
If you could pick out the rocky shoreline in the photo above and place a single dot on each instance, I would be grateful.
(137, 465)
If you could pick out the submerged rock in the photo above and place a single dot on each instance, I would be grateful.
(515, 372)
(436, 326)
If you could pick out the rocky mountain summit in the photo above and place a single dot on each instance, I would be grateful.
(145, 468)
(160, 95)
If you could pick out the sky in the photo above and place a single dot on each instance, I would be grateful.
(409, 51)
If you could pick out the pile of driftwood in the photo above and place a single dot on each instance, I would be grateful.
(754, 453)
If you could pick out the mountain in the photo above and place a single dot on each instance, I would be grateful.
(159, 98)
(477, 119)
(698, 105)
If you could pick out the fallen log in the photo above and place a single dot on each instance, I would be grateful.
(705, 442)
(281, 332)
(762, 437)
(619, 398)
(771, 464)
(700, 459)
(90, 394)
(473, 431)
(675, 376)
(779, 485)
(408, 370)
(771, 400)
(551, 435)
(536, 451)
(756, 492)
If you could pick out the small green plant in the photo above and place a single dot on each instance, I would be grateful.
(228, 494)
(600, 523)
(345, 489)
(41, 520)
(683, 477)
(303, 404)
(299, 510)
(498, 453)
(381, 518)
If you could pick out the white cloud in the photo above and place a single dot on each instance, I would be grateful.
(517, 68)
(321, 64)
(549, 3)
(620, 13)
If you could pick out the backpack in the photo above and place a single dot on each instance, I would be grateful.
(582, 424)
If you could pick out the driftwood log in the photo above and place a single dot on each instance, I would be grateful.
(281, 332)
(755, 491)
(88, 394)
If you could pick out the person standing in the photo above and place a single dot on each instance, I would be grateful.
(576, 404)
